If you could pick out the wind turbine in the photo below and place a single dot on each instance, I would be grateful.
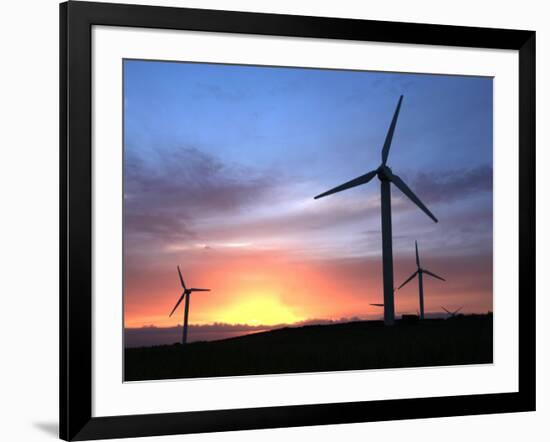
(187, 292)
(386, 176)
(420, 272)
(452, 314)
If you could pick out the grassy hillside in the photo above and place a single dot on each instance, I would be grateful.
(349, 346)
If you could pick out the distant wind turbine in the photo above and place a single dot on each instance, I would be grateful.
(420, 271)
(452, 314)
(187, 292)
(386, 176)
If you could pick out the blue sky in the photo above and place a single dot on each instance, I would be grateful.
(256, 112)
(229, 157)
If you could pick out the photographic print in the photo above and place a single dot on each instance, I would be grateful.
(294, 220)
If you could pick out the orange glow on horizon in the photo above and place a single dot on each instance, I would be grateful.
(270, 288)
(258, 309)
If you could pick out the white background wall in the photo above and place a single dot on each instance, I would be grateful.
(29, 217)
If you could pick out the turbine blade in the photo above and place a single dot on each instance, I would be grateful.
(363, 179)
(378, 305)
(199, 290)
(433, 274)
(446, 310)
(389, 135)
(417, 258)
(409, 278)
(408, 192)
(177, 303)
(456, 311)
(181, 278)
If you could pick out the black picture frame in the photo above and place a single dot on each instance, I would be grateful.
(76, 21)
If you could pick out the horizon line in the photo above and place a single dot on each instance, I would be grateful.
(305, 322)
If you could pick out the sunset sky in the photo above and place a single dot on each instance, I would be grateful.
(221, 167)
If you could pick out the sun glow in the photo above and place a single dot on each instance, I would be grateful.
(258, 309)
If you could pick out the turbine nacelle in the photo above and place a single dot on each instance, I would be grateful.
(384, 173)
(191, 290)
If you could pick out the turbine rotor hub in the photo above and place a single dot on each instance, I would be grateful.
(384, 173)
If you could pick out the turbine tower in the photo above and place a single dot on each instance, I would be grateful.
(386, 176)
(187, 292)
(420, 272)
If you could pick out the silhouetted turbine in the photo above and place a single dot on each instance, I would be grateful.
(452, 314)
(386, 176)
(187, 292)
(419, 272)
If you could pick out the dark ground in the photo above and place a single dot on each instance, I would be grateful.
(350, 346)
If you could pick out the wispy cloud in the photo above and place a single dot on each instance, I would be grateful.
(448, 186)
(169, 194)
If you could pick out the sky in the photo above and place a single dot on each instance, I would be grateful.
(221, 164)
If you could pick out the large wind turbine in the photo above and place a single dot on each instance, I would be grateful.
(187, 292)
(386, 176)
(419, 272)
